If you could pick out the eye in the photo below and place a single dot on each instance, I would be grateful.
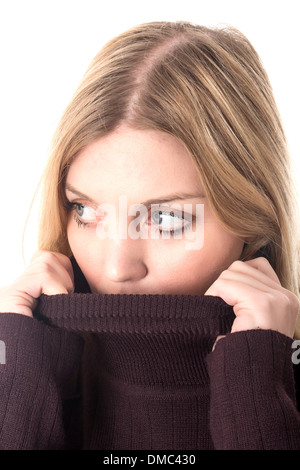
(166, 220)
(86, 213)
(169, 221)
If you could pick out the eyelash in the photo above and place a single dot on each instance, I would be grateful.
(71, 206)
(79, 222)
(175, 231)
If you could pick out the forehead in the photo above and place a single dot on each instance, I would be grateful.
(134, 163)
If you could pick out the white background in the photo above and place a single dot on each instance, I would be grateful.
(46, 46)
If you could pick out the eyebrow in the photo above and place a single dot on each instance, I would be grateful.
(75, 191)
(148, 202)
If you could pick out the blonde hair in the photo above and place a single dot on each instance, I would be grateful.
(208, 88)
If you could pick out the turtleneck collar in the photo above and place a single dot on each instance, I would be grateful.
(142, 339)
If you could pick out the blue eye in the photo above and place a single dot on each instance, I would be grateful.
(83, 215)
(169, 222)
(85, 212)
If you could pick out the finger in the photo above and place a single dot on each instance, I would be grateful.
(252, 278)
(66, 263)
(43, 282)
(53, 268)
(52, 257)
(54, 288)
(259, 269)
(262, 265)
(245, 272)
(232, 292)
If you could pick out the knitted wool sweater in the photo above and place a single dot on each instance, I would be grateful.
(135, 372)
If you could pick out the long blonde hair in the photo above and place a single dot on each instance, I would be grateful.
(207, 87)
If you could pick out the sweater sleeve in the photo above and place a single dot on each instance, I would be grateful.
(253, 404)
(38, 383)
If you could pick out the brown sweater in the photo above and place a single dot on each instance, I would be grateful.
(137, 372)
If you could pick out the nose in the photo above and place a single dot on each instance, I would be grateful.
(124, 260)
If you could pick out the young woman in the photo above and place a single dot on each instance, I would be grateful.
(161, 308)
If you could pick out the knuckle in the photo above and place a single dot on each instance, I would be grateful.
(294, 302)
(263, 264)
(284, 301)
(43, 257)
(223, 275)
(237, 265)
(44, 267)
(220, 284)
(288, 302)
(47, 267)
(38, 253)
(260, 263)
(266, 302)
(262, 260)
(48, 256)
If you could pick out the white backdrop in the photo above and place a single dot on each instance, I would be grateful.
(46, 47)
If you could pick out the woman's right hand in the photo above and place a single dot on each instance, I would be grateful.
(48, 273)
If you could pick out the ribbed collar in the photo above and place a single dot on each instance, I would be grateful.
(153, 339)
(112, 313)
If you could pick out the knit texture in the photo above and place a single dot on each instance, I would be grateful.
(144, 378)
(136, 372)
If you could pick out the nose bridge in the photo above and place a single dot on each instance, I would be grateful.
(123, 253)
(124, 258)
(116, 223)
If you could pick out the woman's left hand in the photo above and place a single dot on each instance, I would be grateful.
(258, 299)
